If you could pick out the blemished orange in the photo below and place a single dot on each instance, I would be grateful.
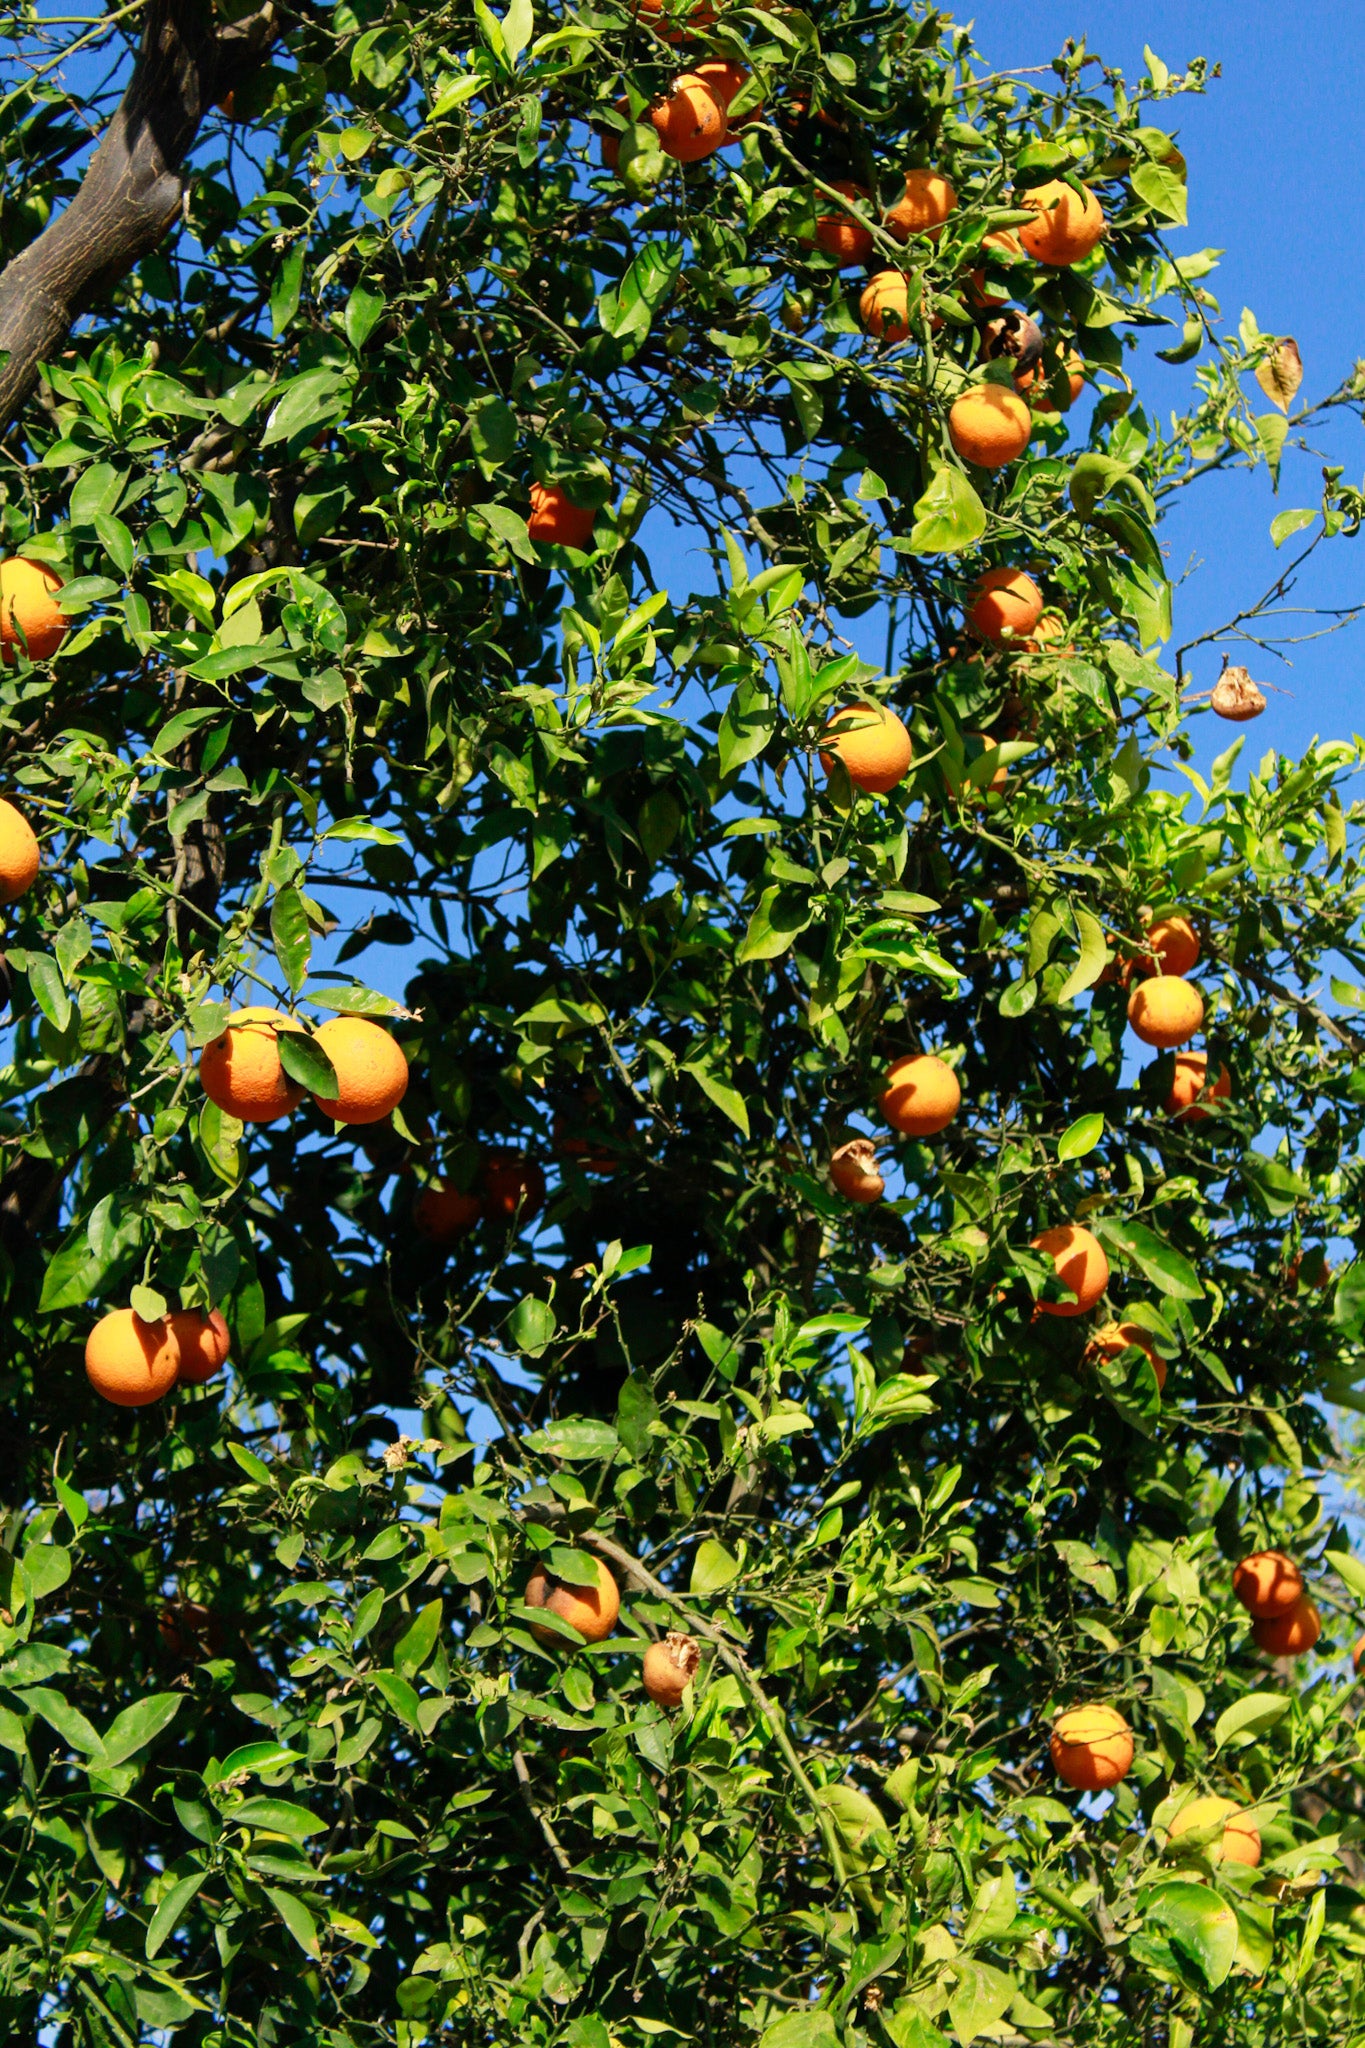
(929, 199)
(668, 1668)
(592, 1610)
(512, 1188)
(29, 610)
(1111, 1340)
(839, 234)
(1081, 1265)
(989, 426)
(922, 1095)
(1289, 1635)
(371, 1070)
(20, 857)
(725, 80)
(1239, 1843)
(1165, 1010)
(871, 742)
(1191, 1088)
(1004, 605)
(555, 517)
(1268, 1584)
(1092, 1748)
(690, 120)
(129, 1362)
(853, 1169)
(1173, 942)
(1067, 227)
(884, 307)
(203, 1342)
(443, 1214)
(240, 1069)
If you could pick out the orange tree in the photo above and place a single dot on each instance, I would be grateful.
(348, 395)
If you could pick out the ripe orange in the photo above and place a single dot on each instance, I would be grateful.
(1289, 1635)
(872, 744)
(1173, 942)
(1111, 1340)
(668, 1668)
(839, 234)
(1165, 1010)
(999, 781)
(694, 19)
(1268, 1584)
(1358, 1656)
(853, 1169)
(922, 1095)
(929, 199)
(690, 122)
(512, 1187)
(371, 1070)
(979, 289)
(28, 604)
(240, 1069)
(1004, 605)
(555, 517)
(1190, 1085)
(20, 858)
(443, 1214)
(1067, 227)
(204, 1344)
(1240, 1842)
(592, 1610)
(1049, 630)
(884, 307)
(724, 80)
(1092, 1748)
(1034, 383)
(129, 1362)
(1081, 1266)
(989, 426)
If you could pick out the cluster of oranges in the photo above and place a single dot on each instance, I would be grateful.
(511, 1189)
(133, 1363)
(242, 1072)
(669, 1666)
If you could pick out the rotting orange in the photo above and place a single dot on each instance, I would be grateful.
(689, 120)
(871, 742)
(1191, 1088)
(555, 517)
(240, 1069)
(592, 1610)
(1239, 1842)
(840, 235)
(884, 307)
(1289, 1635)
(1111, 1340)
(1004, 605)
(1268, 1584)
(1091, 1748)
(929, 199)
(922, 1095)
(989, 426)
(371, 1070)
(853, 1169)
(204, 1344)
(1165, 1010)
(669, 1667)
(443, 1213)
(1081, 1265)
(20, 855)
(29, 612)
(129, 1362)
(1068, 226)
(512, 1187)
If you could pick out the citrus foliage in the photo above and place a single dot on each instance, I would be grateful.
(281, 1758)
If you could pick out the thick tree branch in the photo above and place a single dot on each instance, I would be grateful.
(133, 188)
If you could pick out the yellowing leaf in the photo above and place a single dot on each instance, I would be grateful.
(1281, 373)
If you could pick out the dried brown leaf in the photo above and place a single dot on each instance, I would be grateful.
(1281, 374)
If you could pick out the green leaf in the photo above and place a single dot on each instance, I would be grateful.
(59, 1714)
(140, 1724)
(1250, 1716)
(399, 1695)
(492, 430)
(1165, 1267)
(292, 936)
(1349, 1569)
(979, 2000)
(416, 1643)
(147, 1303)
(250, 1464)
(783, 912)
(578, 1439)
(277, 1817)
(364, 309)
(727, 1099)
(1093, 959)
(317, 399)
(306, 1061)
(1163, 190)
(531, 1325)
(628, 311)
(1081, 1137)
(285, 290)
(254, 1757)
(713, 1568)
(1272, 430)
(814, 2029)
(1285, 524)
(296, 1918)
(949, 517)
(170, 1911)
(749, 723)
(1201, 1924)
(49, 990)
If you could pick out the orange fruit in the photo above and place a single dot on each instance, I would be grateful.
(1048, 631)
(693, 19)
(1268, 1584)
(922, 1095)
(1358, 1656)
(1081, 1266)
(1035, 382)
(839, 234)
(1111, 1340)
(1004, 605)
(1240, 1843)
(555, 517)
(999, 781)
(724, 80)
(512, 1188)
(980, 291)
(204, 1344)
(669, 1666)
(989, 426)
(240, 1068)
(872, 744)
(20, 858)
(853, 1169)
(370, 1066)
(690, 122)
(1067, 227)
(884, 307)
(443, 1213)
(1289, 1635)
(129, 1362)
(1173, 942)
(592, 1610)
(28, 605)
(929, 199)
(1190, 1084)
(1165, 1010)
(190, 1631)
(1092, 1748)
